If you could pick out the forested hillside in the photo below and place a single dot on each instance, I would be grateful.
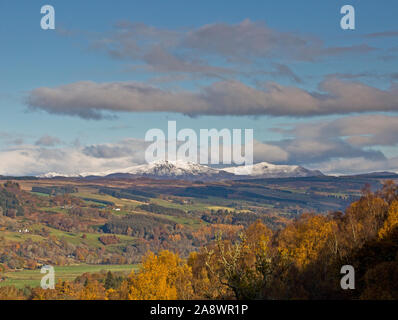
(301, 260)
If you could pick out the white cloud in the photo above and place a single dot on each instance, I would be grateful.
(357, 165)
(343, 145)
(37, 160)
(34, 160)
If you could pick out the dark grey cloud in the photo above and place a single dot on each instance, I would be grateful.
(194, 51)
(393, 76)
(133, 148)
(388, 58)
(366, 130)
(383, 34)
(160, 60)
(157, 49)
(249, 39)
(282, 71)
(351, 76)
(359, 131)
(90, 100)
(324, 142)
(320, 149)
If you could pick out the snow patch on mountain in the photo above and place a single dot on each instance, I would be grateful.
(50, 175)
(161, 168)
(269, 170)
(189, 170)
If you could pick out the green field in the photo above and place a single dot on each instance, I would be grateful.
(92, 239)
(32, 278)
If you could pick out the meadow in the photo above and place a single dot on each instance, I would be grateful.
(22, 278)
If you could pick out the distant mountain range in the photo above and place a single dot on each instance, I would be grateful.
(268, 170)
(193, 171)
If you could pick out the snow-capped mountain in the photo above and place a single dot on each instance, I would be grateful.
(269, 170)
(171, 168)
(167, 170)
(50, 175)
(193, 171)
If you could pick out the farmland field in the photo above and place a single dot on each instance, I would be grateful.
(32, 278)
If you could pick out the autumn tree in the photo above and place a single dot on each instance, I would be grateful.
(11, 293)
(162, 277)
(307, 239)
(92, 290)
(392, 220)
(362, 221)
(236, 269)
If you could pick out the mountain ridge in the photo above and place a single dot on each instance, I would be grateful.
(193, 171)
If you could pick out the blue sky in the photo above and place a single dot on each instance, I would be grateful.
(202, 57)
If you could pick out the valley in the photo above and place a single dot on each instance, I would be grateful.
(106, 222)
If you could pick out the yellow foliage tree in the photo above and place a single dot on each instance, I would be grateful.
(233, 269)
(162, 277)
(92, 291)
(10, 293)
(305, 239)
(64, 290)
(391, 221)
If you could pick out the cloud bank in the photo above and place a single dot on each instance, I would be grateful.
(89, 100)
(344, 145)
(194, 50)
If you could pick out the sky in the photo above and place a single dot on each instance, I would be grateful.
(80, 98)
